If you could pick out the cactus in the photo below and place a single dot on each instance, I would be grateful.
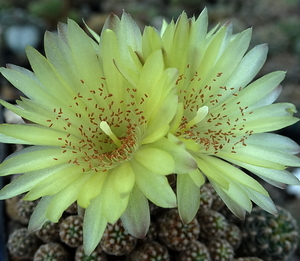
(206, 197)
(233, 235)
(248, 259)
(174, 234)
(150, 251)
(70, 231)
(213, 224)
(116, 241)
(49, 232)
(97, 255)
(51, 252)
(21, 244)
(25, 209)
(151, 234)
(270, 237)
(217, 203)
(197, 252)
(220, 250)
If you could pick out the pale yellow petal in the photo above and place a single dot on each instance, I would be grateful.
(151, 41)
(63, 199)
(112, 204)
(188, 195)
(210, 172)
(156, 160)
(21, 161)
(54, 183)
(31, 134)
(155, 187)
(38, 217)
(136, 218)
(27, 181)
(183, 160)
(234, 207)
(264, 201)
(94, 224)
(197, 177)
(87, 62)
(124, 179)
(233, 174)
(91, 189)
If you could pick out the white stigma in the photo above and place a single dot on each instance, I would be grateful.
(201, 114)
(107, 130)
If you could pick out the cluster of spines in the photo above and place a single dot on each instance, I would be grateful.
(116, 240)
(49, 232)
(22, 244)
(51, 252)
(227, 131)
(25, 209)
(248, 259)
(212, 235)
(196, 252)
(270, 236)
(174, 234)
(70, 231)
(150, 251)
(19, 209)
(213, 224)
(85, 140)
(97, 255)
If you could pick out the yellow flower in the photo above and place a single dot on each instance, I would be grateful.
(99, 119)
(223, 117)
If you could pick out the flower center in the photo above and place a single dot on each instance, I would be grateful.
(220, 122)
(100, 129)
(124, 150)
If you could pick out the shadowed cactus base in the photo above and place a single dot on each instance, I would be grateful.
(70, 231)
(196, 252)
(150, 251)
(220, 249)
(248, 259)
(233, 235)
(212, 223)
(21, 244)
(174, 234)
(270, 237)
(51, 252)
(97, 255)
(49, 232)
(116, 241)
(168, 239)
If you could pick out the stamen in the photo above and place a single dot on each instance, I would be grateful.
(107, 130)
